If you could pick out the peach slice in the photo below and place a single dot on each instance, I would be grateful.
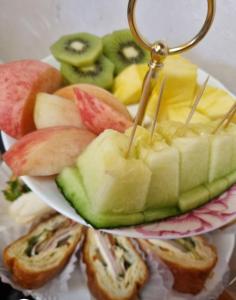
(98, 116)
(98, 92)
(52, 110)
(47, 151)
(20, 81)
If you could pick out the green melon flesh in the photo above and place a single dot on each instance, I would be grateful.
(194, 159)
(159, 214)
(70, 183)
(163, 161)
(114, 183)
(231, 129)
(217, 187)
(221, 153)
(231, 178)
(194, 198)
(221, 150)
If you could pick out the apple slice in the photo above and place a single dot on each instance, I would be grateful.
(98, 92)
(53, 110)
(98, 116)
(20, 81)
(47, 151)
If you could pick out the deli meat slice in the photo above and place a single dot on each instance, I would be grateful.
(20, 81)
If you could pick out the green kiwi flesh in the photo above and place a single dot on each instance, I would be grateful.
(121, 48)
(99, 73)
(78, 49)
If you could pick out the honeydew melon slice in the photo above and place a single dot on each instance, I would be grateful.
(221, 151)
(163, 161)
(231, 129)
(160, 213)
(231, 178)
(194, 198)
(114, 184)
(217, 187)
(70, 183)
(220, 157)
(194, 153)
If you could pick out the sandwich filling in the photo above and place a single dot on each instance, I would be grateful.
(119, 270)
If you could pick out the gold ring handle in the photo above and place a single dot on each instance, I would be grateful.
(188, 45)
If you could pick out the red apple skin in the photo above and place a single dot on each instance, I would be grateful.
(47, 151)
(20, 81)
(98, 116)
(96, 91)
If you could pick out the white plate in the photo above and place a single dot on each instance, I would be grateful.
(213, 215)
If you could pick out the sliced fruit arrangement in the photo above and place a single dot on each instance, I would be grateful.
(86, 58)
(20, 81)
(121, 48)
(52, 110)
(182, 169)
(59, 123)
(46, 151)
(97, 115)
(82, 131)
(79, 49)
(99, 73)
(180, 89)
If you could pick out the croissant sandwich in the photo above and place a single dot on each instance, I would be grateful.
(190, 260)
(115, 270)
(41, 254)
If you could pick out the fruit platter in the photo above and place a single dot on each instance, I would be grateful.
(118, 178)
(66, 124)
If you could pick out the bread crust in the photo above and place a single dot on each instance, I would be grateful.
(186, 279)
(97, 291)
(30, 279)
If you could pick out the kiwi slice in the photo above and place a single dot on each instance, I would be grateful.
(99, 73)
(78, 49)
(121, 48)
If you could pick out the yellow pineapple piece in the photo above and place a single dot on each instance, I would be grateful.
(128, 84)
(215, 103)
(179, 114)
(181, 84)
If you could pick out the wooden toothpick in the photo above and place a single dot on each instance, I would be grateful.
(196, 101)
(230, 118)
(163, 84)
(142, 106)
(225, 118)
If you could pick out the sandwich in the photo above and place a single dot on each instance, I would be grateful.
(190, 260)
(115, 270)
(41, 254)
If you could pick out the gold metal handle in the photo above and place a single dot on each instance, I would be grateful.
(179, 49)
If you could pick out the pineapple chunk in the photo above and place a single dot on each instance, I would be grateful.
(215, 103)
(180, 114)
(128, 84)
(181, 84)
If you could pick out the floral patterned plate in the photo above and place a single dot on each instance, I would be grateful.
(211, 216)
